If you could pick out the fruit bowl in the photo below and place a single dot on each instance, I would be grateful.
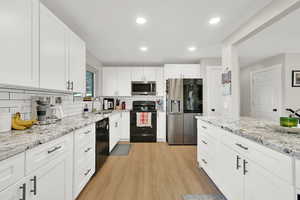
(289, 122)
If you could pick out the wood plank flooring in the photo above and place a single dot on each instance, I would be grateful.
(152, 171)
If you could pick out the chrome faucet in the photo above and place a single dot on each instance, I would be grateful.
(294, 112)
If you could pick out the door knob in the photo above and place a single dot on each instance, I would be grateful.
(213, 110)
(275, 110)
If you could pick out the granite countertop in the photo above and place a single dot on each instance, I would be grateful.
(260, 132)
(15, 142)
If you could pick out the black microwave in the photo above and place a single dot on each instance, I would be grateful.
(143, 88)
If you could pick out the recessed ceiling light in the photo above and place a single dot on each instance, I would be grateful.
(192, 48)
(141, 20)
(144, 48)
(214, 20)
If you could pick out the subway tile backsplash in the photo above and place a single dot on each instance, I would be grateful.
(14, 100)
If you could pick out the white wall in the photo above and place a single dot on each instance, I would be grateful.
(95, 65)
(291, 96)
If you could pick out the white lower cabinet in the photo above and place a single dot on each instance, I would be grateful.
(161, 126)
(244, 170)
(125, 126)
(115, 130)
(17, 191)
(84, 157)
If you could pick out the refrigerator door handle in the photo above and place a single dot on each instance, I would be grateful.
(179, 106)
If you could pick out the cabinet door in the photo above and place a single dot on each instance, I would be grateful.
(260, 184)
(55, 180)
(125, 126)
(191, 71)
(214, 91)
(161, 126)
(112, 134)
(137, 74)
(110, 81)
(149, 73)
(16, 192)
(124, 81)
(77, 64)
(229, 165)
(19, 29)
(160, 83)
(172, 71)
(53, 51)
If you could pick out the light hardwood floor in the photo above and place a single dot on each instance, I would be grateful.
(152, 171)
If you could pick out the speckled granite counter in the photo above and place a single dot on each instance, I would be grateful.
(260, 132)
(14, 142)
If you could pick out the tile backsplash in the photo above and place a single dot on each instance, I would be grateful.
(14, 100)
(19, 100)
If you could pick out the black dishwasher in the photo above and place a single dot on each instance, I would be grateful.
(102, 142)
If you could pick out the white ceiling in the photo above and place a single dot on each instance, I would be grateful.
(281, 37)
(109, 28)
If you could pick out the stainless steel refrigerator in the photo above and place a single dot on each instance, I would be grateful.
(184, 102)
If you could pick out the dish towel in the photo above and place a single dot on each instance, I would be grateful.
(143, 119)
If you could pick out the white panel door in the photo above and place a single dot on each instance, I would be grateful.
(124, 81)
(110, 81)
(260, 184)
(149, 73)
(214, 91)
(19, 30)
(266, 95)
(77, 63)
(55, 180)
(53, 51)
(160, 82)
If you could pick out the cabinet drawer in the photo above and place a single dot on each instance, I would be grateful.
(208, 129)
(83, 175)
(82, 136)
(206, 163)
(85, 152)
(12, 170)
(206, 144)
(43, 154)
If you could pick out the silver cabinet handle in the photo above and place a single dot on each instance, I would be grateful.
(88, 149)
(245, 167)
(88, 171)
(204, 142)
(238, 158)
(204, 127)
(205, 162)
(241, 146)
(87, 132)
(34, 185)
(72, 85)
(23, 188)
(54, 149)
(68, 85)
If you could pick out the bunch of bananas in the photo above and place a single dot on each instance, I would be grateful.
(19, 124)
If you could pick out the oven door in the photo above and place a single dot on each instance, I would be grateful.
(143, 134)
(143, 88)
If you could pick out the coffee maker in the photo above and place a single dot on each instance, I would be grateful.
(108, 103)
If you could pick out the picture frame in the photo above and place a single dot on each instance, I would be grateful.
(296, 78)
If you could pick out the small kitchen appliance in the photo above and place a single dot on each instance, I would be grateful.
(108, 103)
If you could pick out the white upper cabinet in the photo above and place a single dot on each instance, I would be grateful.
(123, 81)
(19, 30)
(160, 81)
(62, 55)
(77, 63)
(53, 51)
(175, 71)
(137, 74)
(143, 73)
(110, 81)
(150, 73)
